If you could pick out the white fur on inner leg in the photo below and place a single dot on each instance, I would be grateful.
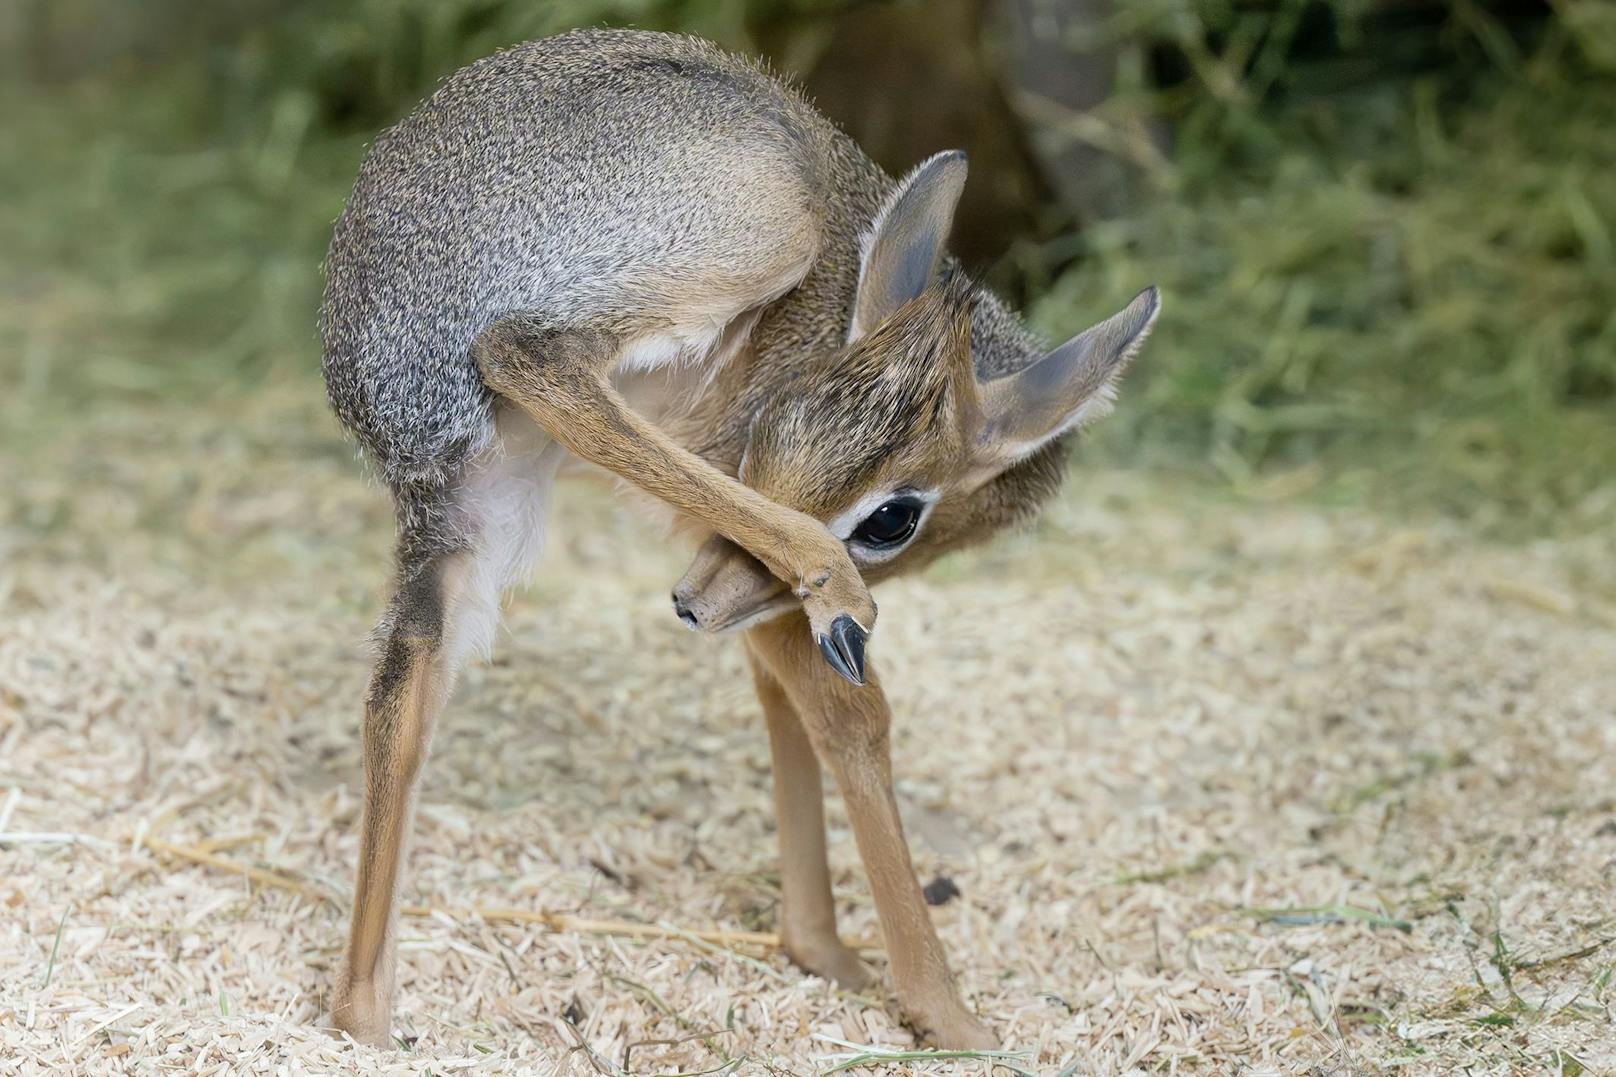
(505, 500)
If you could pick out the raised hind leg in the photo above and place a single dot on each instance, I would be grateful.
(560, 377)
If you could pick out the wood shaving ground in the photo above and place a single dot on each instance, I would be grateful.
(1194, 767)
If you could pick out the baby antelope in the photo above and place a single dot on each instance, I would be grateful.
(608, 217)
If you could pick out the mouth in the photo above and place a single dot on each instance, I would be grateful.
(727, 590)
(741, 620)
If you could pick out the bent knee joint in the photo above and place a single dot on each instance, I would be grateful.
(518, 354)
(398, 709)
(403, 662)
(412, 636)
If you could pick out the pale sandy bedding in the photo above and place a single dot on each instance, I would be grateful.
(1139, 739)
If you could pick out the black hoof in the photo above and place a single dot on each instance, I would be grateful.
(844, 648)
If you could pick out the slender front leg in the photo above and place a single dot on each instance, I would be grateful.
(807, 909)
(559, 377)
(850, 731)
(408, 689)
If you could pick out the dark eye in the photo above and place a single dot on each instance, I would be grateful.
(890, 525)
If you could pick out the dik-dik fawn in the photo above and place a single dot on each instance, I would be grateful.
(603, 218)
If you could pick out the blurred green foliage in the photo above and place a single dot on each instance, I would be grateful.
(1399, 281)
(1384, 231)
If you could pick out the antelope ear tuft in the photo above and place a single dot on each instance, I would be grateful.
(904, 248)
(1072, 386)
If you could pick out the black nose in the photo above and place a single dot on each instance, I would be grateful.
(686, 614)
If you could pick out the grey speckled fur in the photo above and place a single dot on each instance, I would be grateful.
(649, 210)
(587, 178)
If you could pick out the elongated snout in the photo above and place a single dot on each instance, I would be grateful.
(727, 588)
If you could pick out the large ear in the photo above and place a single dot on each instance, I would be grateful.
(1070, 387)
(904, 248)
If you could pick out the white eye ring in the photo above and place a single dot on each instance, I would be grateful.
(899, 516)
(847, 522)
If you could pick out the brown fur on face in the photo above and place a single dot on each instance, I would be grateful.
(898, 409)
(894, 409)
(611, 207)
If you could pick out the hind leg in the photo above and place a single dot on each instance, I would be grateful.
(456, 554)
(408, 689)
(560, 377)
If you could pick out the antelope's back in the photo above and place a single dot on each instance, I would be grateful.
(580, 177)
